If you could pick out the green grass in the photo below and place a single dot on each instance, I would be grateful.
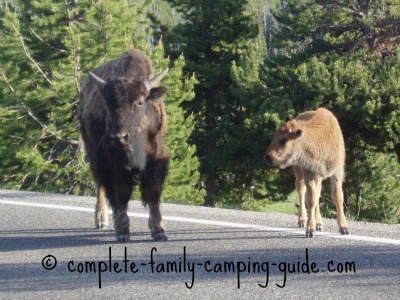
(290, 206)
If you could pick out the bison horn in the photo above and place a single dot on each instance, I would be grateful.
(100, 82)
(155, 80)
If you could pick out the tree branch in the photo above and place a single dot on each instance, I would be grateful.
(32, 115)
(29, 56)
(76, 57)
(43, 41)
(353, 10)
(25, 107)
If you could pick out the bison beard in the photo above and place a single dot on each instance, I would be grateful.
(135, 157)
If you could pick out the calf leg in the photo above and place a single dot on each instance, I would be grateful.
(337, 197)
(301, 190)
(151, 186)
(101, 212)
(312, 203)
(318, 217)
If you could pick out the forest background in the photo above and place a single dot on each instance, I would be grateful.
(238, 70)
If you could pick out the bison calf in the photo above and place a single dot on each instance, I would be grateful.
(122, 120)
(313, 145)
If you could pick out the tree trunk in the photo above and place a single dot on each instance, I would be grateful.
(397, 150)
(211, 191)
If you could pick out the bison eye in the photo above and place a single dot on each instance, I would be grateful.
(283, 141)
(140, 103)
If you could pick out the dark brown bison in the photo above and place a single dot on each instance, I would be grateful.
(313, 145)
(122, 120)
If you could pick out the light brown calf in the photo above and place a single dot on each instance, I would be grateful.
(313, 145)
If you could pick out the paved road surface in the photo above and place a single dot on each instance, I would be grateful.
(211, 254)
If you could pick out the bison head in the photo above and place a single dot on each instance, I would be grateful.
(128, 102)
(282, 151)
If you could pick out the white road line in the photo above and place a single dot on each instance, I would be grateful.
(214, 223)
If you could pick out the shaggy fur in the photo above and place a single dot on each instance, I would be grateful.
(123, 126)
(313, 145)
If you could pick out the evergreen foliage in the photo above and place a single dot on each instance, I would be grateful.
(213, 35)
(49, 47)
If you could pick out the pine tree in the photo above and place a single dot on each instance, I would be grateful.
(41, 139)
(212, 36)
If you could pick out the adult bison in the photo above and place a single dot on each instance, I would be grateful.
(122, 120)
(313, 145)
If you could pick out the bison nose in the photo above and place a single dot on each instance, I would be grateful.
(120, 138)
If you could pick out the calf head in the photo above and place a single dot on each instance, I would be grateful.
(127, 101)
(282, 150)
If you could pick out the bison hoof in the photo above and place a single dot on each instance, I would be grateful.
(101, 226)
(160, 237)
(123, 238)
(319, 227)
(309, 234)
(344, 231)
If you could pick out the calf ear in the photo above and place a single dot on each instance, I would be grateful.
(156, 93)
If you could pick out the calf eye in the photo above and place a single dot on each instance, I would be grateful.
(283, 141)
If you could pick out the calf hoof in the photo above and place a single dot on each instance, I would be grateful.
(301, 224)
(160, 237)
(309, 234)
(344, 231)
(319, 227)
(123, 238)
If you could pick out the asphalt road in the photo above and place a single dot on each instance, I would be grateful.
(50, 250)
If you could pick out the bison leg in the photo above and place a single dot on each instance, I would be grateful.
(156, 224)
(121, 223)
(337, 197)
(151, 186)
(119, 201)
(313, 193)
(301, 190)
(101, 213)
